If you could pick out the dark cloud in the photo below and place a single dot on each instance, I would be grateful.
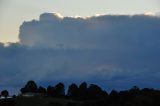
(113, 50)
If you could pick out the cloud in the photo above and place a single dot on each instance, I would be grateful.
(120, 31)
(113, 50)
(150, 13)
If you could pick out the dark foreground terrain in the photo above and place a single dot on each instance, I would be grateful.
(82, 95)
(39, 101)
(146, 98)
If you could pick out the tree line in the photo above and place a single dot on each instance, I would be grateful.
(93, 95)
(81, 92)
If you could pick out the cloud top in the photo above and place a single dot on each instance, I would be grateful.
(56, 31)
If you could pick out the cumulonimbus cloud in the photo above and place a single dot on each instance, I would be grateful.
(120, 31)
(118, 50)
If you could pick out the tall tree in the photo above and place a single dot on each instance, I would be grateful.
(73, 91)
(82, 91)
(41, 90)
(5, 93)
(59, 90)
(51, 91)
(31, 86)
(95, 92)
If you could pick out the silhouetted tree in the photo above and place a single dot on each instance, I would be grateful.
(31, 86)
(59, 90)
(134, 91)
(113, 96)
(41, 90)
(51, 91)
(89, 96)
(73, 91)
(5, 93)
(82, 94)
(147, 90)
(95, 92)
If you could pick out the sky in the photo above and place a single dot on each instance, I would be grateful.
(14, 12)
(55, 41)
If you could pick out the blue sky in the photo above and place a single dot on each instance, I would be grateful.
(116, 50)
